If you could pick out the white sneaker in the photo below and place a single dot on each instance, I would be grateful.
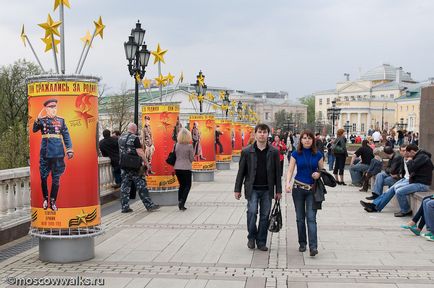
(45, 204)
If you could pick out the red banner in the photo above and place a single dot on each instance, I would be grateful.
(238, 141)
(202, 129)
(248, 132)
(158, 124)
(63, 119)
(223, 143)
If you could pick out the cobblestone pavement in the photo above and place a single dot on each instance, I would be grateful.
(205, 246)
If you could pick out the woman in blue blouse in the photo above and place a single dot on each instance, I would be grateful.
(308, 161)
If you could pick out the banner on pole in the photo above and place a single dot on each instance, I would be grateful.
(202, 129)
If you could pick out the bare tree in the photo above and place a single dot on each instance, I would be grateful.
(119, 109)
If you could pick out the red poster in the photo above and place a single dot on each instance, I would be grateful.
(158, 124)
(248, 132)
(223, 143)
(238, 141)
(63, 119)
(202, 129)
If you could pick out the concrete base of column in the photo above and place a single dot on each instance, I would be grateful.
(223, 166)
(203, 176)
(66, 250)
(235, 158)
(164, 197)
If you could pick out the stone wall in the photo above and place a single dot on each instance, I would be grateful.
(426, 140)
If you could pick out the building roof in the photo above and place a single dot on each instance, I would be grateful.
(414, 91)
(386, 72)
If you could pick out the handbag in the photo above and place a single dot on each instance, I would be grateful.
(171, 158)
(275, 220)
(337, 148)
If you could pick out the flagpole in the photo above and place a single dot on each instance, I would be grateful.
(54, 53)
(62, 39)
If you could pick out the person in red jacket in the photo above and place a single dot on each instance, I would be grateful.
(281, 147)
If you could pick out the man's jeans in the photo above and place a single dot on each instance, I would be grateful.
(331, 160)
(303, 202)
(382, 179)
(402, 192)
(117, 174)
(356, 172)
(260, 233)
(385, 198)
(428, 211)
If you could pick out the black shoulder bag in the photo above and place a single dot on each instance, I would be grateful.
(275, 220)
(130, 161)
(171, 158)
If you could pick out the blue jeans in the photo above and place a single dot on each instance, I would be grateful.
(303, 202)
(382, 179)
(385, 198)
(356, 172)
(260, 232)
(117, 174)
(402, 192)
(428, 211)
(331, 160)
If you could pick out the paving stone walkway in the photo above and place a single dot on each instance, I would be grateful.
(205, 246)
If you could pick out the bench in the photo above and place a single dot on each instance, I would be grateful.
(416, 199)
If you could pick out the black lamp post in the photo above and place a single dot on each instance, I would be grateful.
(401, 125)
(347, 128)
(382, 116)
(333, 114)
(138, 58)
(200, 88)
(240, 110)
(226, 102)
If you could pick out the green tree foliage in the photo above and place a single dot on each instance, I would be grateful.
(14, 150)
(280, 119)
(310, 102)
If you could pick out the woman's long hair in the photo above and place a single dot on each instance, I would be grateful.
(184, 136)
(309, 134)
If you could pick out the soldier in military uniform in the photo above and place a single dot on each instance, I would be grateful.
(148, 142)
(55, 136)
(129, 143)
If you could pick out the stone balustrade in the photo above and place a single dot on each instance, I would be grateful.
(15, 192)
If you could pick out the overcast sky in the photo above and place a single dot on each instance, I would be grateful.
(298, 46)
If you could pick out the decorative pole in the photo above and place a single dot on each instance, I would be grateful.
(24, 38)
(86, 39)
(99, 30)
(61, 3)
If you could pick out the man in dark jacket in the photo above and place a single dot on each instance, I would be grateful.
(420, 168)
(259, 170)
(392, 173)
(109, 147)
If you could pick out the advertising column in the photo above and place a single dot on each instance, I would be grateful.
(63, 115)
(223, 143)
(236, 152)
(202, 129)
(159, 125)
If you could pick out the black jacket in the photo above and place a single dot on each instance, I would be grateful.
(420, 168)
(247, 171)
(395, 165)
(109, 147)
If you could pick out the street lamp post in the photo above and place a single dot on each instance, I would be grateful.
(138, 58)
(382, 116)
(226, 103)
(333, 114)
(200, 88)
(347, 128)
(401, 125)
(240, 109)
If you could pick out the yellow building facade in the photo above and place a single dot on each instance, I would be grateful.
(378, 100)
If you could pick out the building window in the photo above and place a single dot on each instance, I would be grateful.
(328, 101)
(267, 115)
(320, 101)
(354, 127)
(382, 95)
(362, 127)
(391, 96)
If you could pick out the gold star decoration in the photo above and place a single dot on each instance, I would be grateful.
(51, 27)
(181, 78)
(222, 95)
(86, 39)
(200, 98)
(214, 106)
(23, 36)
(159, 54)
(233, 103)
(49, 43)
(224, 107)
(81, 217)
(231, 113)
(99, 27)
(161, 80)
(201, 79)
(169, 78)
(146, 83)
(58, 2)
(210, 96)
(138, 77)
